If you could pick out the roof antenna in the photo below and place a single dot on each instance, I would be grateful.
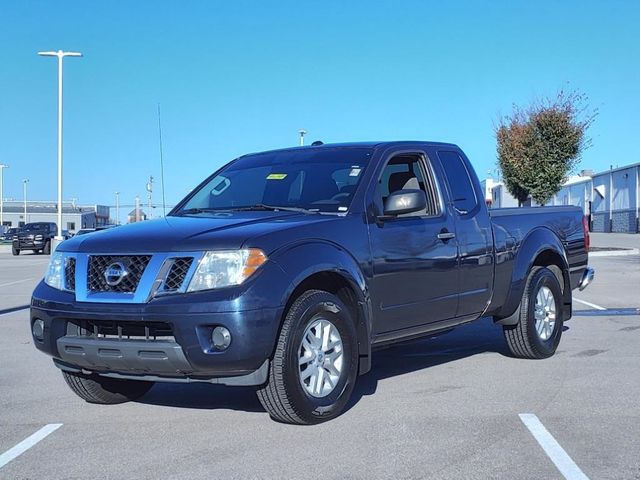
(317, 143)
(164, 204)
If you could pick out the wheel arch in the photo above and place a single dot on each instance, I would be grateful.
(541, 248)
(327, 267)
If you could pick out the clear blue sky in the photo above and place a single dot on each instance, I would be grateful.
(236, 76)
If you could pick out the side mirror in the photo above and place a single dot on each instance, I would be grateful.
(404, 201)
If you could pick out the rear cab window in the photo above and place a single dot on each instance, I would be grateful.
(463, 195)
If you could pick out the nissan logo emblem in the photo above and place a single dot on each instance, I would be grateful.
(115, 273)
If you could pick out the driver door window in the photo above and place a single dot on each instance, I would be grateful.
(409, 173)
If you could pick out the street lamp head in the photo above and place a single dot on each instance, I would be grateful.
(60, 54)
(2, 165)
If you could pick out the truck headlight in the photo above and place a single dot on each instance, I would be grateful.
(226, 268)
(38, 237)
(55, 271)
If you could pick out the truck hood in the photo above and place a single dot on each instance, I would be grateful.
(225, 230)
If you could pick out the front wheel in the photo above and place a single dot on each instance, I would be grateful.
(315, 364)
(105, 390)
(539, 329)
(15, 251)
(47, 248)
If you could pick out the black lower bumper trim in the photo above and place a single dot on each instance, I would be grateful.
(137, 357)
(258, 377)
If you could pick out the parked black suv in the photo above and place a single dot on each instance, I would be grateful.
(36, 237)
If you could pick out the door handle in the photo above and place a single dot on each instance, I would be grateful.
(444, 236)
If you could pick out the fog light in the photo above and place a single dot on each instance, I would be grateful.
(221, 338)
(38, 329)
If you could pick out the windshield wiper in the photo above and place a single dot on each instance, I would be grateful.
(274, 208)
(195, 211)
(246, 208)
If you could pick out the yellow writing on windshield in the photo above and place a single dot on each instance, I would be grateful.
(276, 176)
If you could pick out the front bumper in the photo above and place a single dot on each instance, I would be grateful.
(27, 244)
(186, 354)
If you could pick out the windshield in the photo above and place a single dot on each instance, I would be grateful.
(316, 180)
(30, 227)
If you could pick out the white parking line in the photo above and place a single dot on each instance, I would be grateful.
(17, 281)
(27, 443)
(588, 304)
(552, 448)
(13, 310)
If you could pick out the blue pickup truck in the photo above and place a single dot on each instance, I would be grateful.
(286, 269)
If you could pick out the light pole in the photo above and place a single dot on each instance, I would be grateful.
(60, 55)
(24, 195)
(150, 193)
(2, 167)
(117, 208)
(302, 133)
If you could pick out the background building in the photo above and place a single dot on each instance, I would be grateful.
(136, 215)
(74, 217)
(611, 198)
(501, 198)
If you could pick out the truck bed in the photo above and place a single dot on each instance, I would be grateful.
(516, 229)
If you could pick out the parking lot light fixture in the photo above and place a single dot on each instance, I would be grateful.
(24, 193)
(2, 167)
(60, 55)
(117, 208)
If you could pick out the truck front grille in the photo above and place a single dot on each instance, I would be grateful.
(135, 266)
(70, 274)
(177, 273)
(121, 330)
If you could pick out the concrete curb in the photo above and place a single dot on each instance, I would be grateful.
(616, 253)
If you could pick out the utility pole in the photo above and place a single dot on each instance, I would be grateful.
(2, 167)
(302, 133)
(60, 55)
(117, 208)
(24, 194)
(149, 195)
(137, 217)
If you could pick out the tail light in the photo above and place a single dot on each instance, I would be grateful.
(585, 229)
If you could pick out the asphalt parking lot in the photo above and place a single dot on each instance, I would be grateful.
(446, 407)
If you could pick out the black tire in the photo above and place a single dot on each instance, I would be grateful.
(283, 397)
(105, 390)
(47, 248)
(15, 251)
(523, 339)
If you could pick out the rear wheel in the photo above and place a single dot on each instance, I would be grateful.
(15, 251)
(105, 390)
(315, 364)
(539, 329)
